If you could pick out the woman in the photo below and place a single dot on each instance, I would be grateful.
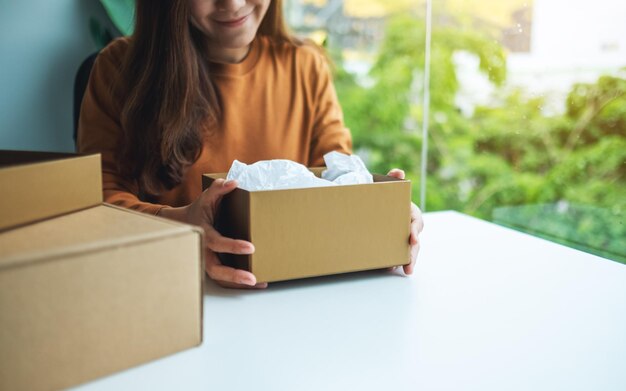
(199, 84)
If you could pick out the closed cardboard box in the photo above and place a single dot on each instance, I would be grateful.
(93, 292)
(310, 232)
(39, 185)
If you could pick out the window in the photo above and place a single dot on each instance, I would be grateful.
(526, 113)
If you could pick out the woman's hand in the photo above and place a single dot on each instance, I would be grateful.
(417, 225)
(202, 213)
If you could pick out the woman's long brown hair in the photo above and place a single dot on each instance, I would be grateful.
(170, 99)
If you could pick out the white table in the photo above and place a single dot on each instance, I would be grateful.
(487, 309)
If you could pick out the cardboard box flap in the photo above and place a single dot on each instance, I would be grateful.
(106, 227)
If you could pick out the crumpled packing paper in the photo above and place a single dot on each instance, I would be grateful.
(273, 175)
(345, 169)
(286, 174)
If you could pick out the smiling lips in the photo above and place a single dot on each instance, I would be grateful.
(233, 23)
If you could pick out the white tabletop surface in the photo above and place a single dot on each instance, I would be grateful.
(488, 308)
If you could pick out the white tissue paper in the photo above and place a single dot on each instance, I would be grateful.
(286, 174)
(274, 175)
(345, 169)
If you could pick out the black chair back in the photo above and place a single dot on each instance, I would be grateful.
(80, 85)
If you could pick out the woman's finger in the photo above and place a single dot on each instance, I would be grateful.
(221, 244)
(220, 187)
(396, 173)
(408, 269)
(202, 211)
(226, 274)
(416, 217)
(414, 237)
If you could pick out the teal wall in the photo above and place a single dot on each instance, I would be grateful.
(42, 43)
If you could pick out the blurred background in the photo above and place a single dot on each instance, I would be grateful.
(526, 116)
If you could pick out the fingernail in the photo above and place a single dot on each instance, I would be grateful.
(247, 281)
(247, 248)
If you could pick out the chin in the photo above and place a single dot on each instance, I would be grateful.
(239, 42)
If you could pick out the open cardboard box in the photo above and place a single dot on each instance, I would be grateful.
(310, 232)
(94, 292)
(39, 185)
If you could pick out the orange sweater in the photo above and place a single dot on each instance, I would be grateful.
(278, 103)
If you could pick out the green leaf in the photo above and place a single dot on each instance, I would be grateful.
(122, 14)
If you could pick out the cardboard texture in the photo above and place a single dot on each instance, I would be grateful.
(94, 292)
(310, 232)
(39, 185)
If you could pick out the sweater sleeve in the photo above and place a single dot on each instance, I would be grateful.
(329, 132)
(99, 129)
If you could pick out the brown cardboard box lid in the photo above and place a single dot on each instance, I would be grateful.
(40, 185)
(107, 227)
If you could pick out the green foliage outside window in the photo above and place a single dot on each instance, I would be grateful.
(510, 154)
